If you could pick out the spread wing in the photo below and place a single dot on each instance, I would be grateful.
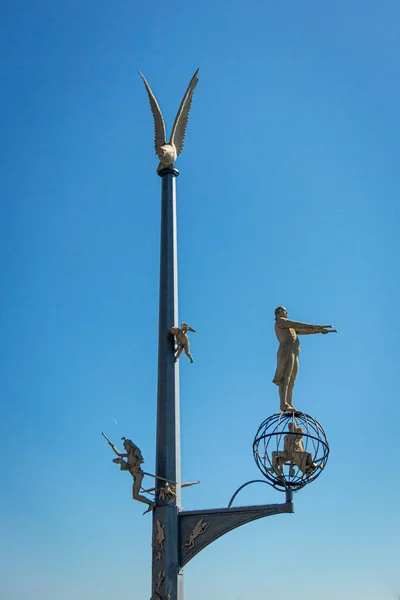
(159, 126)
(179, 128)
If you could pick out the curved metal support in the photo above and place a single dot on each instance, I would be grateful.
(243, 486)
(199, 528)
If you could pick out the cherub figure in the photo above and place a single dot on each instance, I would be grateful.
(180, 334)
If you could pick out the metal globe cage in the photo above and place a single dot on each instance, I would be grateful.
(291, 450)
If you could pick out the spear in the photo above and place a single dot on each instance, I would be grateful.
(118, 453)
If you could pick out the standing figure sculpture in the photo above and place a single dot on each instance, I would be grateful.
(287, 332)
(132, 464)
(180, 334)
(168, 152)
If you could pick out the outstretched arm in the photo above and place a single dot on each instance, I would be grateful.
(303, 328)
(317, 329)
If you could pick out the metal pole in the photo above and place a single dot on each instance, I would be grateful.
(289, 500)
(167, 580)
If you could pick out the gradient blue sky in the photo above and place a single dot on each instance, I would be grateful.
(288, 194)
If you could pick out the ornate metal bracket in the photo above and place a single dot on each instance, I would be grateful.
(199, 528)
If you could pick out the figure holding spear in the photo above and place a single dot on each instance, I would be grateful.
(132, 464)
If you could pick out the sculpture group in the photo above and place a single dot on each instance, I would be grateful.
(287, 332)
(178, 535)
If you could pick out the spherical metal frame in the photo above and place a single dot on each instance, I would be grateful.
(269, 439)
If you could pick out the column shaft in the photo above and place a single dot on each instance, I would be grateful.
(166, 578)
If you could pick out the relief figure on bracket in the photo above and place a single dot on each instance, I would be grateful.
(200, 528)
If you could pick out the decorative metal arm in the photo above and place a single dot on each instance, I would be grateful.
(199, 528)
(243, 486)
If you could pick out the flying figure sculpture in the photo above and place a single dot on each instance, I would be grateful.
(180, 334)
(168, 152)
(133, 462)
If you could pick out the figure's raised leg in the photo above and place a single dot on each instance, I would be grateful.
(278, 461)
(311, 466)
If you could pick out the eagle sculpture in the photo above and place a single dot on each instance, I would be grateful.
(168, 152)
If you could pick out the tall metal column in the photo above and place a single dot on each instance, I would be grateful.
(167, 578)
(180, 535)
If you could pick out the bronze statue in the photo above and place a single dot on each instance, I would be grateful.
(135, 459)
(168, 152)
(180, 334)
(287, 332)
(293, 452)
(132, 464)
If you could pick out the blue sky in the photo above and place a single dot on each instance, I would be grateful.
(288, 194)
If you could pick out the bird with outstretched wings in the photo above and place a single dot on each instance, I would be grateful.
(168, 152)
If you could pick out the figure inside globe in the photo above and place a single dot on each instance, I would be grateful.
(293, 452)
